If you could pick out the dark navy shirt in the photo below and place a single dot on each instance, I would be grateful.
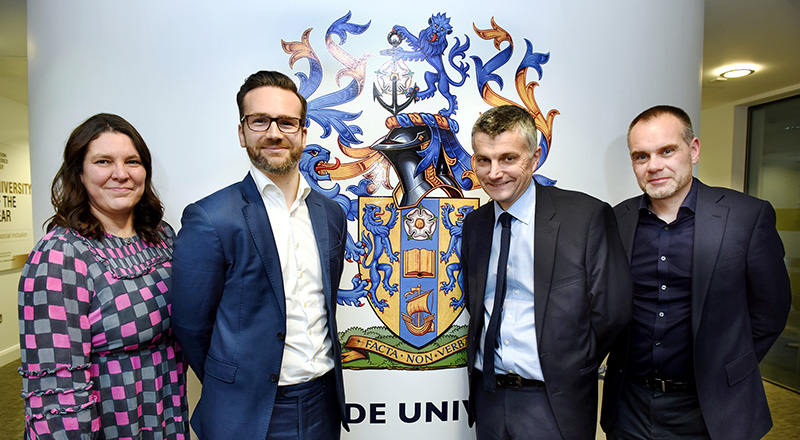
(661, 264)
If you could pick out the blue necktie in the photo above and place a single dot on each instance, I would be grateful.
(493, 331)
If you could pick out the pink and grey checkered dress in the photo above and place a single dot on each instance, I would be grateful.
(99, 359)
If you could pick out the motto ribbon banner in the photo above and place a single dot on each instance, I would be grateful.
(360, 347)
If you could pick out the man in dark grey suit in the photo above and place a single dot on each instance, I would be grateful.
(255, 277)
(551, 263)
(711, 296)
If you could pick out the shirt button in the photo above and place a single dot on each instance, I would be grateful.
(658, 343)
(663, 258)
(510, 371)
(300, 275)
(516, 291)
(660, 314)
(506, 342)
(663, 287)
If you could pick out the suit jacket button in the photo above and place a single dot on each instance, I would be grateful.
(281, 336)
(273, 377)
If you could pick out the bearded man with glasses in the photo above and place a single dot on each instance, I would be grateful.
(256, 273)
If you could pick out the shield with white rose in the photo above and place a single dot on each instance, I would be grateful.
(413, 264)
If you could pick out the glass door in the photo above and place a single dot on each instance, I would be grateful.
(773, 174)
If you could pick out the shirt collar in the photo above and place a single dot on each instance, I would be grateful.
(266, 186)
(523, 208)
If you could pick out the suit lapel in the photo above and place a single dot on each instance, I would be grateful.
(627, 222)
(480, 264)
(709, 226)
(319, 222)
(255, 215)
(545, 237)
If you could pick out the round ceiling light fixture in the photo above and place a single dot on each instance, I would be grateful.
(737, 73)
(739, 70)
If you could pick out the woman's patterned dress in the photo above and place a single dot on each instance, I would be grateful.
(99, 359)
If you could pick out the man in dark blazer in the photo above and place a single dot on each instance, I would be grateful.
(711, 296)
(568, 291)
(256, 272)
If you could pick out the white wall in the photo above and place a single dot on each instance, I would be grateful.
(173, 68)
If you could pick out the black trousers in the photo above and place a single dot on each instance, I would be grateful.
(520, 414)
(650, 414)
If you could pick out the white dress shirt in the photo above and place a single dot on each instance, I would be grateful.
(308, 352)
(518, 352)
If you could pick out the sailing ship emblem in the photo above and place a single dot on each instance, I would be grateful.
(418, 318)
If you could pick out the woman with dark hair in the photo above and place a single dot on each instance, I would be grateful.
(99, 359)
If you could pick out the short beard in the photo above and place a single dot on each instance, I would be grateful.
(262, 163)
(661, 193)
(665, 193)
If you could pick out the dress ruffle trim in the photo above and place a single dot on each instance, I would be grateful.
(52, 391)
(45, 372)
(63, 410)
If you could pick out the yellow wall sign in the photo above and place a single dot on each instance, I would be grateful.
(16, 214)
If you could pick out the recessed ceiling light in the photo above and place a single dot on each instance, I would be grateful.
(736, 73)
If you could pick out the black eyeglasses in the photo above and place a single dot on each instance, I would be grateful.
(261, 123)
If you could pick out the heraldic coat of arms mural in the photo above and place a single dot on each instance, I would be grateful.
(406, 202)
